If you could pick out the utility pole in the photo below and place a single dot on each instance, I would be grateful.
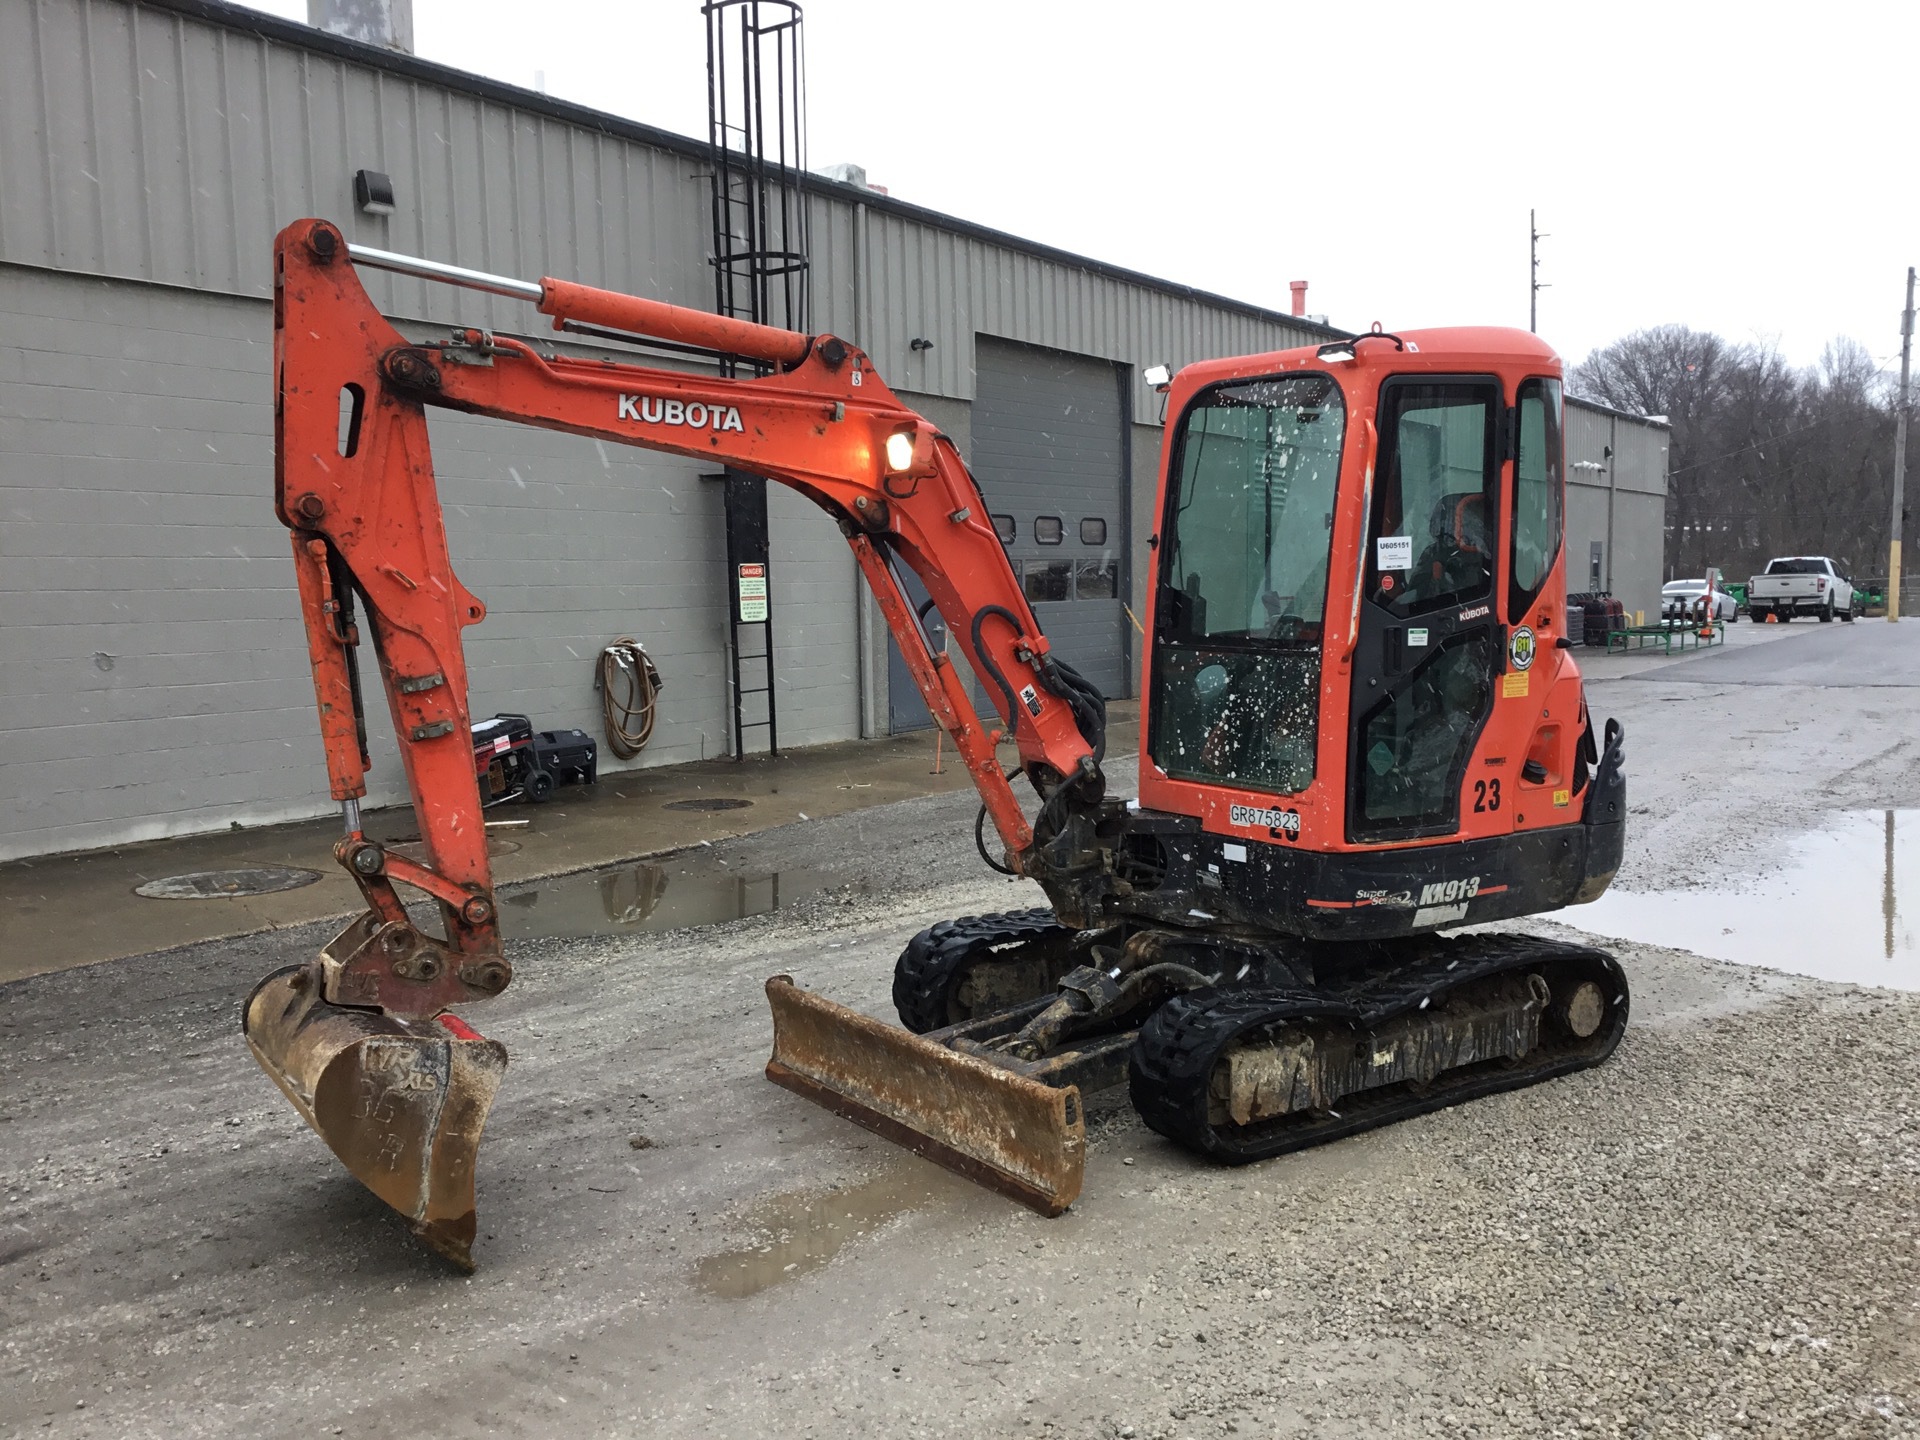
(1900, 456)
(1534, 237)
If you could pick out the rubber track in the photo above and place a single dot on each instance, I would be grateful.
(931, 966)
(1173, 1059)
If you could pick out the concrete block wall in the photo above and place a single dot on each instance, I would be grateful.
(156, 680)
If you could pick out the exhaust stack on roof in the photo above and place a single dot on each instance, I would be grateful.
(386, 23)
(1299, 288)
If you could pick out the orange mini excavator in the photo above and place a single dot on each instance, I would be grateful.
(1364, 729)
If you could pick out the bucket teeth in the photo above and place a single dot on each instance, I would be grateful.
(400, 1102)
(1006, 1131)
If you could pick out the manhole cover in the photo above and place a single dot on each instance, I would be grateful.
(227, 884)
(718, 802)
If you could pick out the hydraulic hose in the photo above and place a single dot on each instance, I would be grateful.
(1089, 706)
(980, 844)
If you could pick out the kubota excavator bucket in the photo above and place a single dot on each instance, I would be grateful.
(1011, 1133)
(401, 1102)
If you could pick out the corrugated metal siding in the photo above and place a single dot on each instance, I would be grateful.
(153, 146)
(1640, 461)
(150, 146)
(1637, 475)
(948, 288)
(1588, 435)
(1641, 454)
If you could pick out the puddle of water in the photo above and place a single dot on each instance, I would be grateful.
(801, 1230)
(640, 897)
(1832, 912)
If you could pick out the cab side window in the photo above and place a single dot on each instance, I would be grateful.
(1536, 494)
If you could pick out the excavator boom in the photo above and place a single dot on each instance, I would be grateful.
(361, 1038)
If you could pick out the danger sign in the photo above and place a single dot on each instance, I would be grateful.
(751, 584)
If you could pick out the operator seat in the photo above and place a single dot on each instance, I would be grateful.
(1456, 560)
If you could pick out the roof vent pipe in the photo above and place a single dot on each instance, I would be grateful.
(386, 23)
(1299, 288)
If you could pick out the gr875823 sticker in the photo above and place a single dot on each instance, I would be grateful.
(1285, 821)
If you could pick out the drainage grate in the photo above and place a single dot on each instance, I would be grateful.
(227, 884)
(718, 802)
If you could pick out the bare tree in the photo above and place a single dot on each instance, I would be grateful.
(1766, 459)
(1680, 373)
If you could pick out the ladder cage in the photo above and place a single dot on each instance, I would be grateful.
(756, 118)
(756, 128)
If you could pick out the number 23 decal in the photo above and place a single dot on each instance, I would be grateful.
(1486, 796)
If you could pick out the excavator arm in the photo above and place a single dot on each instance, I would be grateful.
(360, 1040)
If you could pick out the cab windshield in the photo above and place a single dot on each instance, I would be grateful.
(1243, 585)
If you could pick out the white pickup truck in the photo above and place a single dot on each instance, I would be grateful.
(1801, 585)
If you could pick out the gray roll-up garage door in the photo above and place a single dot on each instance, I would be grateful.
(1049, 452)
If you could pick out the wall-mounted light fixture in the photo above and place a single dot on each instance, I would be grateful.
(917, 344)
(372, 192)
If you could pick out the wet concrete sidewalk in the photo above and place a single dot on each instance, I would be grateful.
(61, 911)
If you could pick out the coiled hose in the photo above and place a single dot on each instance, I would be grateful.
(629, 692)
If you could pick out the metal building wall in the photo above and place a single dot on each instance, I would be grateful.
(1618, 499)
(150, 143)
(152, 151)
(157, 679)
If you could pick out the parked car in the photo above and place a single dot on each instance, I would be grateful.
(1686, 600)
(1802, 585)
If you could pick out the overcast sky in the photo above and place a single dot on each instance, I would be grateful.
(1744, 168)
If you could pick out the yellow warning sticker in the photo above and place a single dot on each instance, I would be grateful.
(1563, 797)
(1513, 685)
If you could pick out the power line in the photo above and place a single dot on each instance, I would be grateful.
(1756, 445)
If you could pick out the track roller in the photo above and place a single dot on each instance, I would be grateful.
(1245, 1074)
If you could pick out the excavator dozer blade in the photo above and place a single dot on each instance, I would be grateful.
(1005, 1131)
(401, 1102)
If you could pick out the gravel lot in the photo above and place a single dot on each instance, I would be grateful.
(1713, 1234)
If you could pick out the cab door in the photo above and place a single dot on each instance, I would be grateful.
(1429, 641)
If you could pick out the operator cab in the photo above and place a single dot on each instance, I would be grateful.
(1354, 617)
